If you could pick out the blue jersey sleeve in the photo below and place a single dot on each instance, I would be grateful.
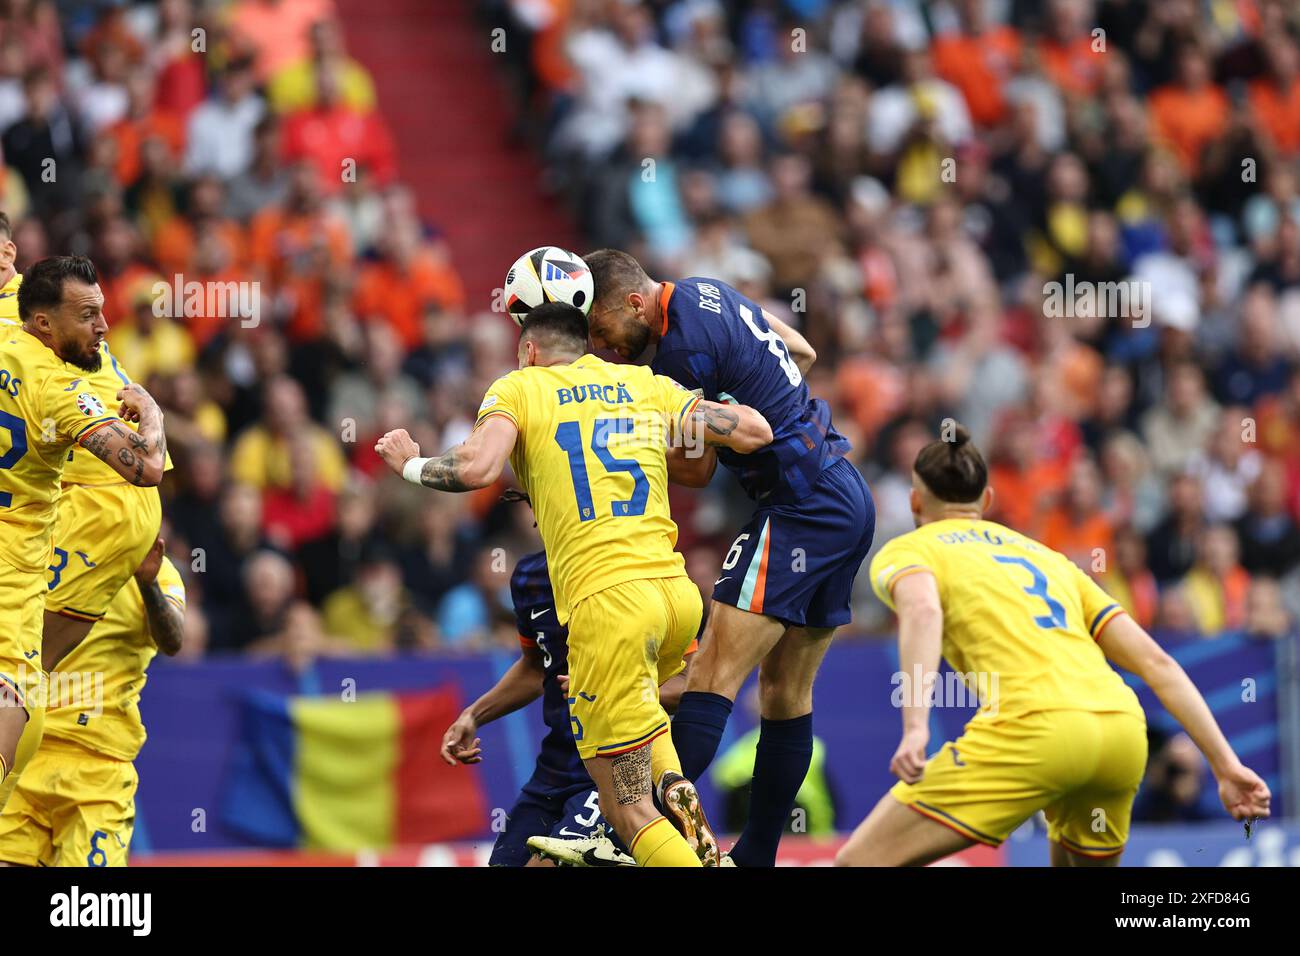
(717, 341)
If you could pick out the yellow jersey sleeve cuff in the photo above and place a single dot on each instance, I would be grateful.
(1104, 617)
(687, 409)
(91, 426)
(885, 588)
(496, 411)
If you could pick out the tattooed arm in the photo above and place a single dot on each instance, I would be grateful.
(475, 463)
(139, 457)
(738, 427)
(166, 620)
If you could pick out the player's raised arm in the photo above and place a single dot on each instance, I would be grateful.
(475, 463)
(138, 456)
(1125, 643)
(519, 686)
(738, 427)
(801, 352)
(920, 640)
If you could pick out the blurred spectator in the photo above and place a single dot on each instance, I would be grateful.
(1127, 579)
(294, 86)
(337, 138)
(1079, 527)
(264, 182)
(1172, 545)
(796, 230)
(220, 131)
(1227, 467)
(261, 455)
(277, 31)
(374, 613)
(1270, 540)
(1183, 422)
(467, 613)
(1171, 792)
(1267, 617)
(410, 274)
(1217, 584)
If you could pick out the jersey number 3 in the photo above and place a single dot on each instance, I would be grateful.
(569, 437)
(1055, 616)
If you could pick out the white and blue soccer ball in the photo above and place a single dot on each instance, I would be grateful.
(547, 274)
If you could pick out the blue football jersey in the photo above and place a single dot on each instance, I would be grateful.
(558, 764)
(717, 341)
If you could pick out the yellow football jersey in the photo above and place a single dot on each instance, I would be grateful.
(44, 409)
(591, 455)
(9, 301)
(84, 467)
(95, 693)
(1016, 614)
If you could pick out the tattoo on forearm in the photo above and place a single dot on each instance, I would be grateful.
(718, 420)
(166, 622)
(631, 775)
(134, 451)
(443, 473)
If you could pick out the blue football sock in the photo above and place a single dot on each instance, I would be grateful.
(784, 755)
(697, 729)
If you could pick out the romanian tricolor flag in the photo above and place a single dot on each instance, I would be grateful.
(332, 774)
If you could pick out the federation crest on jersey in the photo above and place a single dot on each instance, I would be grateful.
(89, 404)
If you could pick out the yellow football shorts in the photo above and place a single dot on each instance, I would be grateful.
(1081, 768)
(72, 807)
(102, 534)
(624, 642)
(22, 620)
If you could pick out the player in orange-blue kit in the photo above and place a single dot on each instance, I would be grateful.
(44, 413)
(588, 441)
(1057, 729)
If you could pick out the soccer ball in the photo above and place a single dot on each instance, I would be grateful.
(547, 274)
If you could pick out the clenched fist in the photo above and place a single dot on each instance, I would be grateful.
(397, 448)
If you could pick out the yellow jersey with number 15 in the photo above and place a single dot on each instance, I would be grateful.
(591, 455)
(44, 410)
(1020, 617)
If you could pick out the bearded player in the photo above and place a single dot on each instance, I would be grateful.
(105, 525)
(1062, 732)
(46, 412)
(586, 439)
(786, 581)
(74, 804)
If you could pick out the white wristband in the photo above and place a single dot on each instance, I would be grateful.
(411, 470)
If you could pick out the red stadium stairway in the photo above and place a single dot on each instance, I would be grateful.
(445, 97)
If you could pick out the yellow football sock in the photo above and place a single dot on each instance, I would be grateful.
(658, 844)
(663, 757)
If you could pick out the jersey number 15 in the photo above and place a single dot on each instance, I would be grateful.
(569, 437)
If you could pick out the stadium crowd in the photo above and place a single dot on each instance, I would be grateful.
(902, 180)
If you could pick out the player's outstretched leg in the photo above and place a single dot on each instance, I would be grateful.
(624, 783)
(893, 835)
(733, 643)
(785, 741)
